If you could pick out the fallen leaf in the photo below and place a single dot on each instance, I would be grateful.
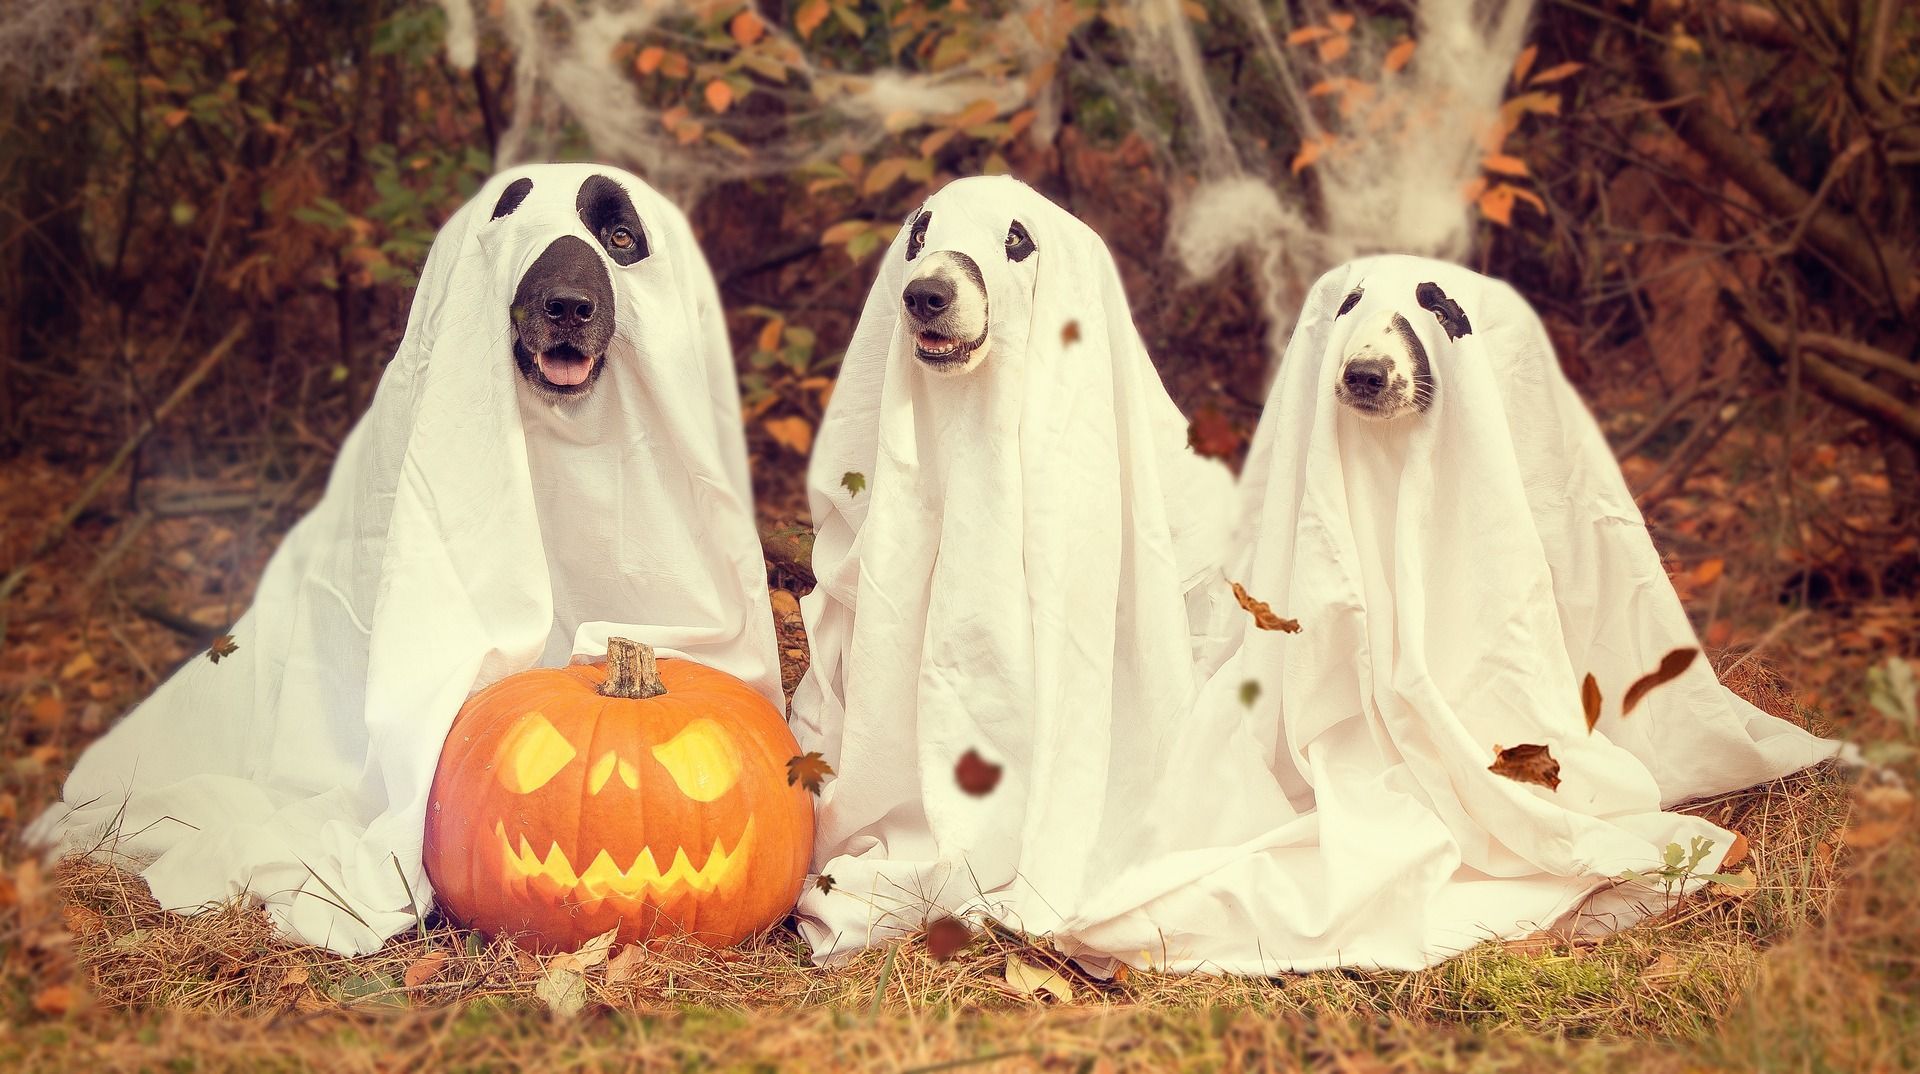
(563, 990)
(1709, 571)
(624, 966)
(1590, 700)
(808, 770)
(295, 977)
(1524, 63)
(1070, 333)
(794, 433)
(222, 647)
(947, 937)
(78, 666)
(1213, 435)
(1555, 73)
(1671, 665)
(719, 95)
(975, 774)
(809, 17)
(1030, 980)
(1249, 692)
(1527, 764)
(425, 969)
(81, 921)
(54, 1001)
(824, 884)
(1736, 853)
(649, 59)
(854, 482)
(1263, 616)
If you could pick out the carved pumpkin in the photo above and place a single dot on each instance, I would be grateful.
(648, 796)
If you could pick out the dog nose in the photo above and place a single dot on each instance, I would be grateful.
(1366, 378)
(569, 307)
(928, 297)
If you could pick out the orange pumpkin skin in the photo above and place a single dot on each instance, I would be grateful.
(558, 813)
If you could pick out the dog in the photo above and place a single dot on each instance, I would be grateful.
(945, 296)
(563, 308)
(1384, 369)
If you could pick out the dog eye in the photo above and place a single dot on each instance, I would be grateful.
(917, 238)
(1019, 243)
(621, 238)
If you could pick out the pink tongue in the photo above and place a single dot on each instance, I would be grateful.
(565, 372)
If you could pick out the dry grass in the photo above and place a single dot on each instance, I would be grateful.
(1800, 973)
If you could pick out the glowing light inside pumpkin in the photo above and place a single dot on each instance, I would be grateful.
(604, 879)
(703, 760)
(531, 754)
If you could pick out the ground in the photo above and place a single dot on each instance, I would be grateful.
(1811, 969)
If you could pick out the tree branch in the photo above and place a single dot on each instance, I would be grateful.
(1773, 342)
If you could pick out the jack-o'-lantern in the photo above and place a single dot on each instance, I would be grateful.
(648, 795)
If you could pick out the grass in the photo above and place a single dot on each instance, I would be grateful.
(1802, 972)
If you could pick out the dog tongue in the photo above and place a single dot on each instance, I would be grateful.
(564, 370)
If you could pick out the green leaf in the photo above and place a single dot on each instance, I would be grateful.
(1249, 692)
(854, 482)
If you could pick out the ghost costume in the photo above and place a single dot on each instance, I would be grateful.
(471, 528)
(1004, 559)
(1457, 573)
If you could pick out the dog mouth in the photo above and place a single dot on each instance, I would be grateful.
(942, 351)
(562, 369)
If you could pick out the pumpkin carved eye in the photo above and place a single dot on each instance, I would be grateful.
(531, 754)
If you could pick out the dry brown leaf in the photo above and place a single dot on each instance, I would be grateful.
(1263, 616)
(1590, 701)
(55, 1000)
(1736, 853)
(824, 884)
(425, 968)
(947, 937)
(1671, 665)
(808, 770)
(975, 774)
(624, 966)
(1212, 434)
(1030, 980)
(1527, 764)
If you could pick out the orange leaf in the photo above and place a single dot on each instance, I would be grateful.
(1308, 33)
(1340, 21)
(675, 65)
(1527, 764)
(977, 113)
(1496, 204)
(1398, 56)
(809, 17)
(719, 95)
(770, 333)
(649, 59)
(1546, 104)
(1590, 701)
(1324, 87)
(747, 27)
(1502, 164)
(175, 117)
(1263, 616)
(1671, 666)
(795, 433)
(937, 141)
(1309, 152)
(1709, 571)
(1555, 73)
(1333, 48)
(54, 1001)
(1530, 198)
(1524, 63)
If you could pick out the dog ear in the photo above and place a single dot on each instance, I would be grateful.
(1446, 310)
(1352, 300)
(511, 197)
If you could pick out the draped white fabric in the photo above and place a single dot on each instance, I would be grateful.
(1007, 575)
(469, 530)
(1457, 572)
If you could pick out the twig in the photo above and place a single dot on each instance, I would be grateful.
(92, 488)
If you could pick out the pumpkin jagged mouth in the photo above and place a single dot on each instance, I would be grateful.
(605, 879)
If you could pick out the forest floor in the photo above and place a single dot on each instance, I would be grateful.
(1772, 545)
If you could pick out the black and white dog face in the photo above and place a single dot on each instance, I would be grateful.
(1384, 371)
(563, 311)
(952, 243)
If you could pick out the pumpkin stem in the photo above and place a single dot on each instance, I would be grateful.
(631, 671)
